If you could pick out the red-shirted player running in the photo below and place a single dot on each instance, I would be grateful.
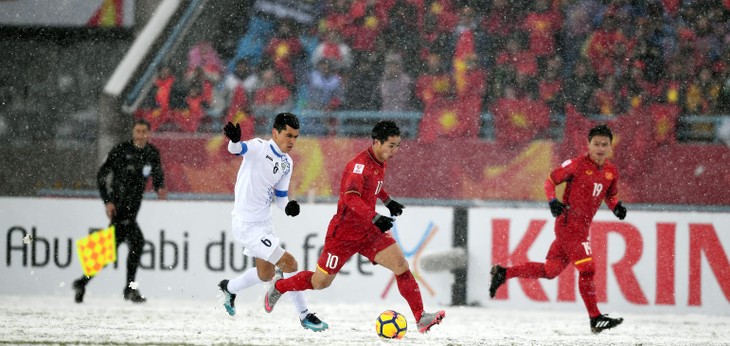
(357, 228)
(589, 180)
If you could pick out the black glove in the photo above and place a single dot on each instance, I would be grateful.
(292, 208)
(384, 223)
(556, 207)
(233, 132)
(619, 211)
(395, 208)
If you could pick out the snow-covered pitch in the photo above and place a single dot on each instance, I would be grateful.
(111, 320)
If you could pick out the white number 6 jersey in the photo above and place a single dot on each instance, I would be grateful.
(263, 177)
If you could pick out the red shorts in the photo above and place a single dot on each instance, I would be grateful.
(336, 252)
(571, 246)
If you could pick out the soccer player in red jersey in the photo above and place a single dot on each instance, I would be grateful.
(589, 179)
(357, 228)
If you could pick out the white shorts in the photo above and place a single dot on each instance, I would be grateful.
(258, 239)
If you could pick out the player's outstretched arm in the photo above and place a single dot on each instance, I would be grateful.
(233, 132)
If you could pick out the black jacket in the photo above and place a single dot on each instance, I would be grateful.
(130, 167)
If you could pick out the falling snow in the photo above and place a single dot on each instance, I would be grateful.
(111, 320)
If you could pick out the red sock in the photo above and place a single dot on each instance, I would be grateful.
(409, 289)
(529, 270)
(588, 293)
(300, 282)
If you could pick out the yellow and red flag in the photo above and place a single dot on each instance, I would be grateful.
(109, 14)
(96, 250)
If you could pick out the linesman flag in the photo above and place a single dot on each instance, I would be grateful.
(96, 250)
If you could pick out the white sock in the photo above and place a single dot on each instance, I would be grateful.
(249, 278)
(297, 297)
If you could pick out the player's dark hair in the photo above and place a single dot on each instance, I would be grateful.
(600, 130)
(142, 122)
(385, 129)
(284, 119)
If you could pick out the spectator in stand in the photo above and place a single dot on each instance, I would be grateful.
(648, 51)
(701, 98)
(580, 85)
(403, 35)
(333, 49)
(442, 13)
(163, 88)
(702, 93)
(326, 92)
(467, 39)
(369, 18)
(242, 76)
(516, 58)
(434, 36)
(709, 43)
(542, 25)
(498, 24)
(165, 96)
(205, 68)
(337, 16)
(237, 86)
(286, 53)
(607, 47)
(724, 79)
(271, 98)
(578, 26)
(189, 119)
(550, 86)
(606, 100)
(396, 86)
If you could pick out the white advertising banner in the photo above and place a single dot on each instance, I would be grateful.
(190, 249)
(650, 262)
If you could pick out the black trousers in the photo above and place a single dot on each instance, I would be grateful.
(127, 230)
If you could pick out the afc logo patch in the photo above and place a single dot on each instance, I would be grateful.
(359, 167)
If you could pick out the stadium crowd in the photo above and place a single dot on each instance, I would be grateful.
(604, 57)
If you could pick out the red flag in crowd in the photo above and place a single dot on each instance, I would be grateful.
(238, 114)
(109, 14)
(464, 50)
(664, 118)
(519, 120)
(189, 119)
(442, 119)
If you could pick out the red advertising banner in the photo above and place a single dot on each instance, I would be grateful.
(466, 168)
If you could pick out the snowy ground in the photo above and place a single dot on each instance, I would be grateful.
(111, 320)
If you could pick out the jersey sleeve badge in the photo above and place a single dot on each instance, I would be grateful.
(359, 167)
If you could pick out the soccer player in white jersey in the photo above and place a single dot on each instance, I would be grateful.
(263, 179)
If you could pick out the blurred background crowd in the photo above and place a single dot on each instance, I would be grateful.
(606, 58)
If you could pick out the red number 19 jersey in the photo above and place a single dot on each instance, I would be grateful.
(587, 185)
